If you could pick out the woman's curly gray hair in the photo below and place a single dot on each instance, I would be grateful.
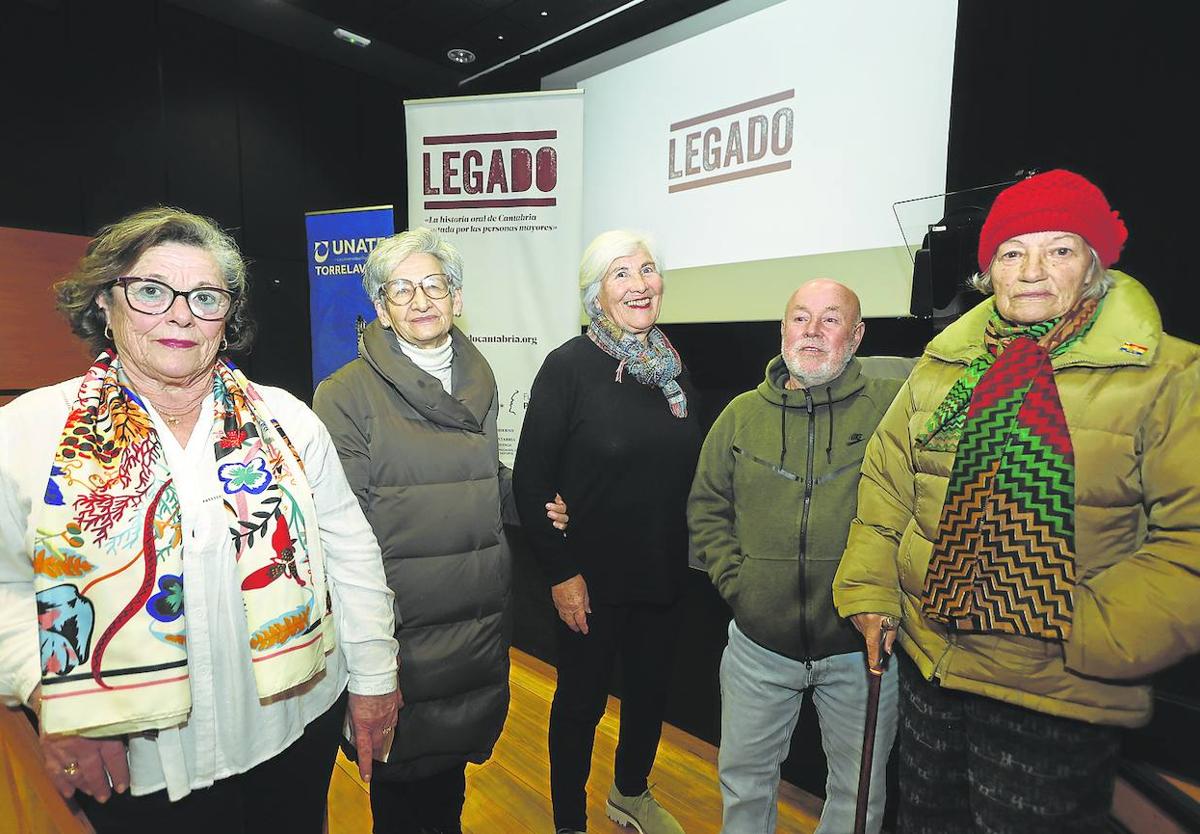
(118, 246)
(599, 255)
(1099, 280)
(388, 255)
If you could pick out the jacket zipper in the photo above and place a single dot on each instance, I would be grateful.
(808, 488)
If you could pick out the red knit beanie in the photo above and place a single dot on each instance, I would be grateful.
(1056, 201)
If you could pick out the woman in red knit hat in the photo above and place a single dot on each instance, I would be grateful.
(1029, 519)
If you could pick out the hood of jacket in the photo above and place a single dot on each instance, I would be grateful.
(774, 389)
(473, 384)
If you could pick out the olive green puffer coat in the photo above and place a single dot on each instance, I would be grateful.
(1131, 395)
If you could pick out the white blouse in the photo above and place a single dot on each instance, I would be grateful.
(229, 730)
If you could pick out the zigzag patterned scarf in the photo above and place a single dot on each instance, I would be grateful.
(108, 558)
(1004, 556)
(656, 362)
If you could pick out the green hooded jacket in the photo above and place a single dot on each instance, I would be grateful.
(772, 501)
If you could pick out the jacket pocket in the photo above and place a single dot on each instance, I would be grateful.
(913, 559)
(765, 603)
(1028, 663)
(769, 500)
(755, 461)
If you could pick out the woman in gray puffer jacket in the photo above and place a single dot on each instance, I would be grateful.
(414, 422)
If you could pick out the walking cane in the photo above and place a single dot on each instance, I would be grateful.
(874, 677)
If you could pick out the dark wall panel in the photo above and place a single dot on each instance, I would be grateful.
(116, 106)
(118, 128)
(333, 168)
(282, 354)
(1104, 94)
(200, 114)
(271, 114)
(39, 177)
(386, 178)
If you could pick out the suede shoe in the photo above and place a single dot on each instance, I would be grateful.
(642, 812)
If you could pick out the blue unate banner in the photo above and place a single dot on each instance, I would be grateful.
(339, 242)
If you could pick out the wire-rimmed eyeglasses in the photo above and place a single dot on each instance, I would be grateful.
(402, 291)
(146, 295)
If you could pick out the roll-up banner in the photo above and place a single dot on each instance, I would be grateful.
(339, 242)
(501, 178)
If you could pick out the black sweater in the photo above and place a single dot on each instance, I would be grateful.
(624, 465)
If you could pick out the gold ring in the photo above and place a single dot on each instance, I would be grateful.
(386, 730)
(71, 768)
(889, 624)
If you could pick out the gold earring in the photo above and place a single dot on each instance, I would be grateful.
(108, 331)
(224, 344)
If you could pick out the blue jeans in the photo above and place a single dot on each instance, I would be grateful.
(761, 694)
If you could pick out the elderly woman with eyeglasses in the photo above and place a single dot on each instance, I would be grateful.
(414, 420)
(187, 584)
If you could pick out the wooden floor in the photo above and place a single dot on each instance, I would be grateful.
(511, 792)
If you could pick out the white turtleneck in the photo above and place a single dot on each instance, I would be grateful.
(433, 361)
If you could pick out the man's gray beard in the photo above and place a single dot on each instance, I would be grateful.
(828, 371)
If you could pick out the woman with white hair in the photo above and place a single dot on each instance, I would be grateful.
(612, 425)
(414, 422)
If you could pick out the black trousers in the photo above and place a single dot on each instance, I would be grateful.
(284, 793)
(969, 763)
(431, 805)
(643, 638)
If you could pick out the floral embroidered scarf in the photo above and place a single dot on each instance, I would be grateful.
(108, 558)
(656, 362)
(1004, 555)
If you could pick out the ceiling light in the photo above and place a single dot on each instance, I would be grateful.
(351, 38)
(461, 56)
(545, 14)
(629, 4)
(499, 37)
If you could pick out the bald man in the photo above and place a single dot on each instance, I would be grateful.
(771, 504)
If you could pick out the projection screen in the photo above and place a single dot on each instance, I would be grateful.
(769, 148)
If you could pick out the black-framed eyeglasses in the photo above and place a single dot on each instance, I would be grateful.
(402, 291)
(146, 295)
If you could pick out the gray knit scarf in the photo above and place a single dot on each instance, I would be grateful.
(655, 362)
